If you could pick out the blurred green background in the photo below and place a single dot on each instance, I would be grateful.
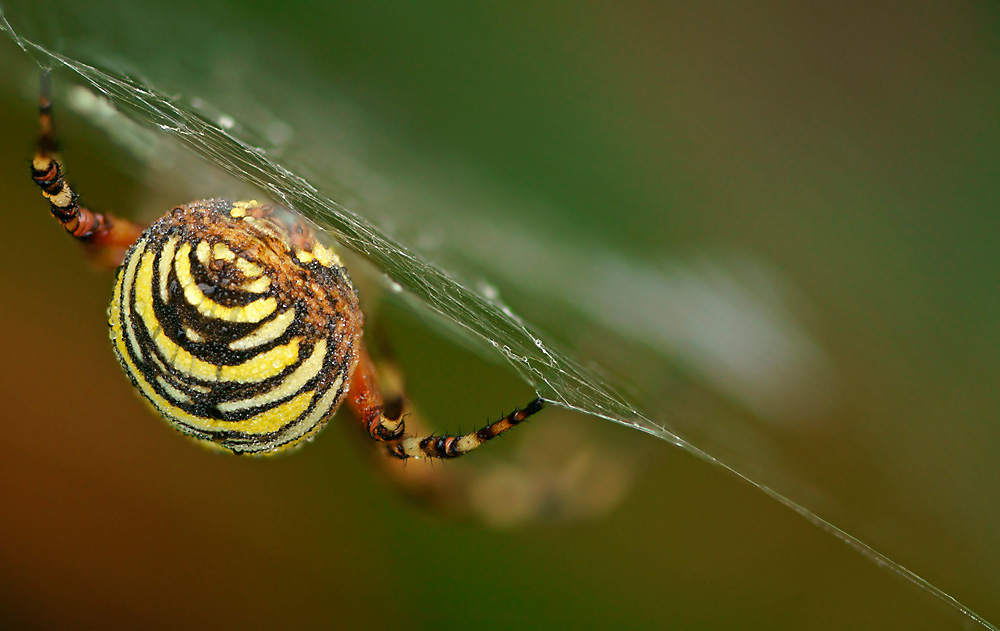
(850, 152)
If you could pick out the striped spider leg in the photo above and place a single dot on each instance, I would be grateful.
(106, 236)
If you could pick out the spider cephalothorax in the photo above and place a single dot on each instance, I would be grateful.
(237, 324)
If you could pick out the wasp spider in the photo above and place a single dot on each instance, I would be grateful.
(238, 326)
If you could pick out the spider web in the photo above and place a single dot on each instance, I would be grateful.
(754, 304)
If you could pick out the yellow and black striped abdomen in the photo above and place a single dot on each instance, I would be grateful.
(236, 325)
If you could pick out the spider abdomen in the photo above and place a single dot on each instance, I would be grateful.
(237, 325)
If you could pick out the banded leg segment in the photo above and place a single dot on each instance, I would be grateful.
(387, 426)
(455, 446)
(96, 229)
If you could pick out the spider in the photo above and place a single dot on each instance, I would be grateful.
(236, 323)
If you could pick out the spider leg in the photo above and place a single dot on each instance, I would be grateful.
(386, 425)
(455, 446)
(107, 236)
(568, 475)
(365, 400)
